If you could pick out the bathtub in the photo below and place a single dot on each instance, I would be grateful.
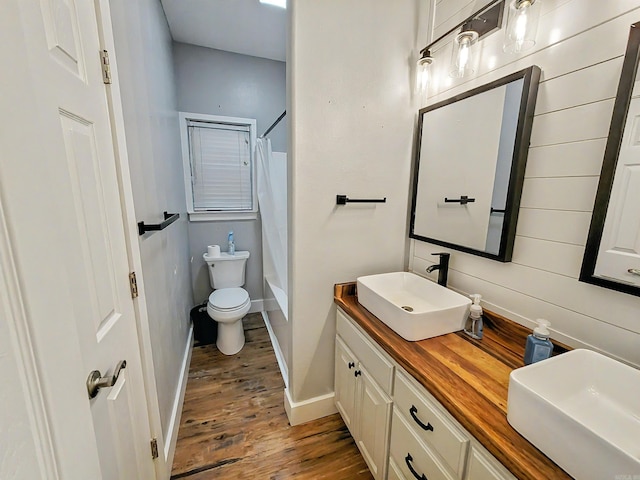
(276, 319)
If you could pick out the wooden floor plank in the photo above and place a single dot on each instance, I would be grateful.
(234, 425)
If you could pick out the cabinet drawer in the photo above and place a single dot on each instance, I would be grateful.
(483, 466)
(377, 365)
(411, 457)
(430, 423)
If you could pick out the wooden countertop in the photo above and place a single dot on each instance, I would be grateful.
(469, 377)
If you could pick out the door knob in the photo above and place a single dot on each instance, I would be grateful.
(96, 381)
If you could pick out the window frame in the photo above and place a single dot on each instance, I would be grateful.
(211, 215)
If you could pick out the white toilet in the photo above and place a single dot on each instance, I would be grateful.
(229, 302)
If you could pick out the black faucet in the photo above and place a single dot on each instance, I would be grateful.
(442, 267)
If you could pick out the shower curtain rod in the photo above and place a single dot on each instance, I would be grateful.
(273, 125)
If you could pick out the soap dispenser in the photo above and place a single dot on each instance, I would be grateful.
(473, 326)
(232, 245)
(538, 345)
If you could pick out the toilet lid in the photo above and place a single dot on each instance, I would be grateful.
(228, 298)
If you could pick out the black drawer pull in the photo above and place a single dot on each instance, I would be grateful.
(413, 410)
(408, 459)
(357, 372)
(351, 365)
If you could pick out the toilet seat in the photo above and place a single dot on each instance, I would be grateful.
(228, 299)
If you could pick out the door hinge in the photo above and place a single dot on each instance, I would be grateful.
(106, 68)
(133, 285)
(154, 448)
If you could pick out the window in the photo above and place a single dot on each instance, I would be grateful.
(219, 172)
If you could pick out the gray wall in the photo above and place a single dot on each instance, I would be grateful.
(143, 49)
(247, 235)
(222, 83)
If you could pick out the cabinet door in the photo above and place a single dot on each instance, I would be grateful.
(345, 385)
(373, 424)
(394, 471)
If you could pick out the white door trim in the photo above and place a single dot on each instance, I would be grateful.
(13, 309)
(162, 464)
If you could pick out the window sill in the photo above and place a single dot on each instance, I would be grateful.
(221, 216)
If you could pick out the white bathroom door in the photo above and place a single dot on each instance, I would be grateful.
(620, 244)
(67, 159)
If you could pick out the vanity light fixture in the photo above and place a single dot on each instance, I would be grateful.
(522, 25)
(481, 24)
(423, 71)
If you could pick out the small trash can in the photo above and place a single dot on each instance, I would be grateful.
(205, 328)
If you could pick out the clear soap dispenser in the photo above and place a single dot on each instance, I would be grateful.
(232, 245)
(473, 326)
(538, 345)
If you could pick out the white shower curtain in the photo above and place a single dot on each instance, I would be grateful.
(272, 199)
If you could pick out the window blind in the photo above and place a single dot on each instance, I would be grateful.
(221, 167)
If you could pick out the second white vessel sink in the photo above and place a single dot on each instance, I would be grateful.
(582, 410)
(412, 306)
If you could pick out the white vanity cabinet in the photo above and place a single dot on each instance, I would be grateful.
(363, 380)
(421, 440)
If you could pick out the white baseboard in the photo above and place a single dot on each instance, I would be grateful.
(256, 306)
(307, 410)
(284, 370)
(174, 423)
(270, 304)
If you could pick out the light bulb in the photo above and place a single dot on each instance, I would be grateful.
(520, 28)
(423, 72)
(522, 25)
(462, 58)
(464, 54)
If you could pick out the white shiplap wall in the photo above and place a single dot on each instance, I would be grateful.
(580, 47)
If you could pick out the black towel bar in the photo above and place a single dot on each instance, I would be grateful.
(343, 200)
(463, 200)
(169, 218)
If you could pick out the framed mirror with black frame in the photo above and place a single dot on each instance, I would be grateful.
(471, 154)
(612, 251)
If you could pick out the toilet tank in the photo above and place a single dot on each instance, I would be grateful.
(227, 271)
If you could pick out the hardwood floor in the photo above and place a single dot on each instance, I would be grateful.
(234, 425)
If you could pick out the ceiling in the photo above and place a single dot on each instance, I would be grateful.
(240, 26)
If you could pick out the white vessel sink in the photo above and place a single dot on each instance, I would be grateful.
(412, 306)
(582, 410)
